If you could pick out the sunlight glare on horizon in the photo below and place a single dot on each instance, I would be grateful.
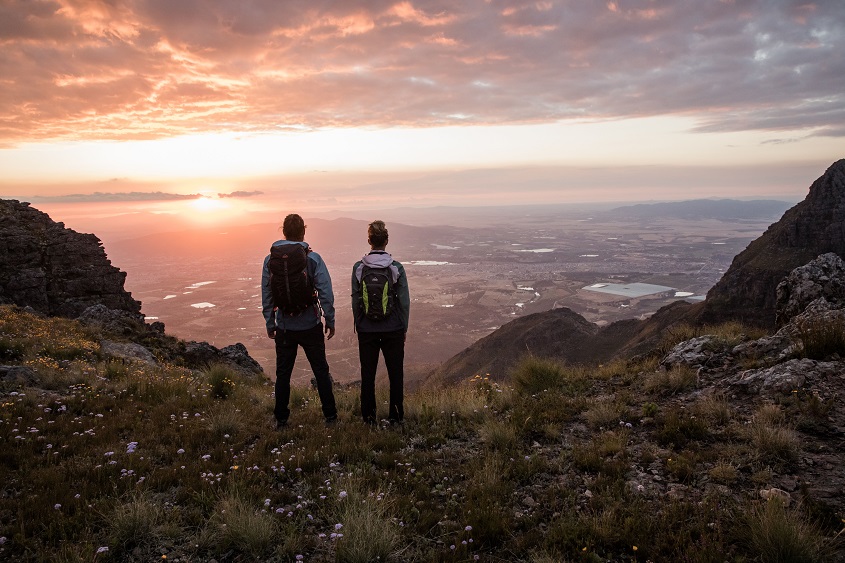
(652, 141)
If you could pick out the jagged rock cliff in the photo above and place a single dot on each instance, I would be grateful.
(59, 272)
(747, 291)
(55, 270)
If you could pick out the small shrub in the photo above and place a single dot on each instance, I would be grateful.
(724, 472)
(114, 371)
(455, 404)
(650, 410)
(616, 368)
(604, 454)
(533, 375)
(762, 477)
(679, 427)
(11, 351)
(221, 381)
(682, 466)
(769, 414)
(225, 422)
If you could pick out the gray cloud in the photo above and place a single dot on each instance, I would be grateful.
(240, 193)
(154, 68)
(110, 196)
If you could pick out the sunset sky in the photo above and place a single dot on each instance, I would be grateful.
(425, 102)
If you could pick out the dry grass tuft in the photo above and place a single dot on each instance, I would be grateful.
(775, 533)
(671, 381)
(238, 524)
(369, 532)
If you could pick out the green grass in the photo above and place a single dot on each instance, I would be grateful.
(105, 461)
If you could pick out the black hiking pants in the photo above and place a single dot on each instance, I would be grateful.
(314, 345)
(392, 346)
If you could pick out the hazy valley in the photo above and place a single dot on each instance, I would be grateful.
(484, 268)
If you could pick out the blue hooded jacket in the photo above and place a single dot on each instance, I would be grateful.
(309, 318)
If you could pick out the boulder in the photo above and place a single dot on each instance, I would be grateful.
(788, 377)
(202, 354)
(127, 351)
(238, 354)
(702, 351)
(116, 321)
(824, 277)
(20, 375)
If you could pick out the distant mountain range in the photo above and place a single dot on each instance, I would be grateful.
(722, 209)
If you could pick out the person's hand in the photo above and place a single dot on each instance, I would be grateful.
(329, 332)
(271, 333)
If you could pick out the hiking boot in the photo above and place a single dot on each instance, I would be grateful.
(331, 420)
(280, 424)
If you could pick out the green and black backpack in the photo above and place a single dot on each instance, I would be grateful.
(378, 297)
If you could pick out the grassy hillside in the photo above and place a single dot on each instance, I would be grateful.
(107, 461)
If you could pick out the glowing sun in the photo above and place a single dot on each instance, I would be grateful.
(208, 204)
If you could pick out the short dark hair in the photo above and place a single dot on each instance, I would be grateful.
(294, 227)
(377, 234)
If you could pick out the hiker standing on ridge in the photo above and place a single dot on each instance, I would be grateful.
(296, 290)
(381, 306)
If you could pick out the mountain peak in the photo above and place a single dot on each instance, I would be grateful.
(53, 269)
(816, 226)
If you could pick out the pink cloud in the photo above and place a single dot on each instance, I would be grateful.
(152, 68)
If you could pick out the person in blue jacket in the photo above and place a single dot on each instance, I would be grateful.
(386, 335)
(304, 329)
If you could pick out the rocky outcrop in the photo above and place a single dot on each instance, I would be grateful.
(116, 321)
(806, 290)
(787, 368)
(55, 270)
(203, 354)
(824, 277)
(747, 291)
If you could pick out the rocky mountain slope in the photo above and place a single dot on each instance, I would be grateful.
(726, 448)
(813, 227)
(55, 270)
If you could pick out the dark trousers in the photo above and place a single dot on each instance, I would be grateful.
(314, 345)
(392, 345)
